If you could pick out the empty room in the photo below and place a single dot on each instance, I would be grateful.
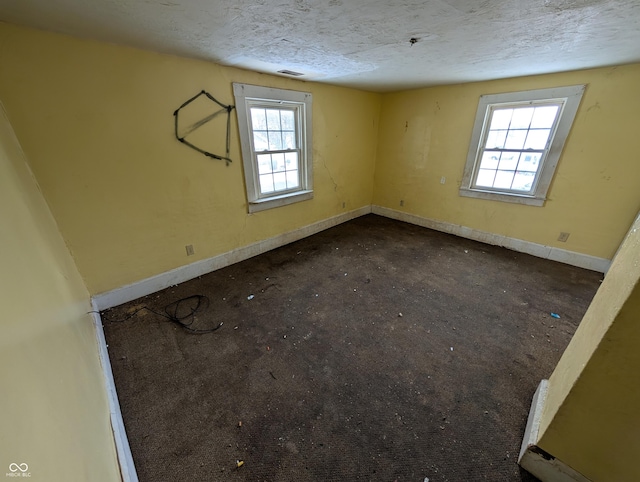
(320, 240)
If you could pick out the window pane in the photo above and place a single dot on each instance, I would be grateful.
(288, 120)
(277, 162)
(525, 131)
(258, 118)
(289, 139)
(529, 162)
(495, 139)
(521, 118)
(515, 139)
(291, 160)
(523, 181)
(503, 179)
(275, 141)
(537, 139)
(501, 119)
(273, 119)
(485, 177)
(264, 163)
(509, 161)
(292, 179)
(274, 131)
(489, 160)
(266, 183)
(544, 117)
(280, 181)
(260, 142)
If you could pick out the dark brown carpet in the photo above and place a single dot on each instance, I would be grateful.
(376, 350)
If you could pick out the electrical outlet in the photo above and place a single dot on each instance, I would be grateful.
(344, 205)
(563, 237)
(443, 180)
(401, 202)
(189, 248)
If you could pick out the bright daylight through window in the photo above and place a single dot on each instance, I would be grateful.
(516, 144)
(274, 137)
(275, 134)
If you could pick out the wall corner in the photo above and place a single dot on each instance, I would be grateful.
(535, 460)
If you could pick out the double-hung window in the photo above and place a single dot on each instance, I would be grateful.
(516, 144)
(275, 135)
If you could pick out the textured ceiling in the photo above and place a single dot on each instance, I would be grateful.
(360, 43)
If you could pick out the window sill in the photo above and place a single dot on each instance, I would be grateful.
(504, 197)
(277, 201)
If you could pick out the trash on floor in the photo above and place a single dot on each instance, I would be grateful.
(555, 315)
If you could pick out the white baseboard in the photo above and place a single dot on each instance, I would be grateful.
(541, 464)
(150, 285)
(125, 459)
(532, 458)
(535, 414)
(541, 251)
(159, 282)
(147, 286)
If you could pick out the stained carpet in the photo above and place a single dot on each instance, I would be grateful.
(375, 350)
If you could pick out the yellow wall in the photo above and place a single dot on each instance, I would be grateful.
(54, 416)
(96, 123)
(591, 418)
(424, 135)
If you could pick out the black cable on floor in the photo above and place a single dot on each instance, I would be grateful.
(171, 313)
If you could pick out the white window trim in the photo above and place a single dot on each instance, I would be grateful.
(570, 97)
(245, 95)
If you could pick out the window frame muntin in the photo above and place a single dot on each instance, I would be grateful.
(571, 94)
(298, 109)
(273, 97)
(491, 108)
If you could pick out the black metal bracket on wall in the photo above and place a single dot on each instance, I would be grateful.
(224, 108)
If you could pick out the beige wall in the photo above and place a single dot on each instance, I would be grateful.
(591, 418)
(54, 416)
(424, 135)
(96, 123)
